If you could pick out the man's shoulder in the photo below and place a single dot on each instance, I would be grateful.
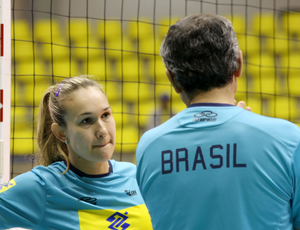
(267, 123)
(160, 130)
(268, 128)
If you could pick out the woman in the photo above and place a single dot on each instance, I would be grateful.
(78, 186)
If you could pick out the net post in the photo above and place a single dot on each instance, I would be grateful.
(5, 89)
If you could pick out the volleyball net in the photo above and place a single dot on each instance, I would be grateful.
(118, 42)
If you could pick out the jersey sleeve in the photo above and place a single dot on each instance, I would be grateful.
(22, 202)
(296, 195)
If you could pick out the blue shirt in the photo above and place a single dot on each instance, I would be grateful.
(44, 198)
(217, 166)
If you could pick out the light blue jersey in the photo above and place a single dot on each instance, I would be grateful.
(218, 166)
(44, 198)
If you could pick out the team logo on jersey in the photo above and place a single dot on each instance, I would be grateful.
(131, 193)
(90, 200)
(205, 116)
(118, 221)
(8, 185)
(134, 217)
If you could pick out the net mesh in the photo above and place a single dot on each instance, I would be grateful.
(118, 42)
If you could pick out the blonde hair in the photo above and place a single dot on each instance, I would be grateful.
(52, 110)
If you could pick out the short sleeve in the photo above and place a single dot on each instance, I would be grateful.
(22, 202)
(296, 195)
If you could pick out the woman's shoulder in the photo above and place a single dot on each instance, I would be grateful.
(36, 179)
(53, 169)
(51, 173)
(123, 168)
(26, 183)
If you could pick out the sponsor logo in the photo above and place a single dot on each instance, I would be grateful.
(8, 185)
(118, 221)
(131, 193)
(134, 217)
(90, 200)
(205, 116)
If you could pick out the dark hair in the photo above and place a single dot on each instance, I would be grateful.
(52, 110)
(201, 51)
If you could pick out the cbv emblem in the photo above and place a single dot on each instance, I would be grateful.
(118, 221)
(8, 185)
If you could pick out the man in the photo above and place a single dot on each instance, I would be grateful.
(215, 165)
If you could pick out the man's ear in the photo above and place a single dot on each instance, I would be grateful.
(58, 132)
(174, 83)
(238, 73)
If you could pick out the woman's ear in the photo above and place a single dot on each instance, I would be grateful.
(174, 83)
(58, 132)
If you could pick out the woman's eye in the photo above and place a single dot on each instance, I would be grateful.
(105, 115)
(87, 121)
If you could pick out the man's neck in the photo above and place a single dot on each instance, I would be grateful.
(217, 95)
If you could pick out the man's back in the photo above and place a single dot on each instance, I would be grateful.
(217, 166)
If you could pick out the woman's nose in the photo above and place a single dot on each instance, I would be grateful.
(101, 130)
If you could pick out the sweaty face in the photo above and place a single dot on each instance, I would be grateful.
(90, 129)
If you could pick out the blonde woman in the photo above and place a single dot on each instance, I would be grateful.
(77, 186)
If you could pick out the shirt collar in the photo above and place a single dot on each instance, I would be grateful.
(209, 104)
(82, 174)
